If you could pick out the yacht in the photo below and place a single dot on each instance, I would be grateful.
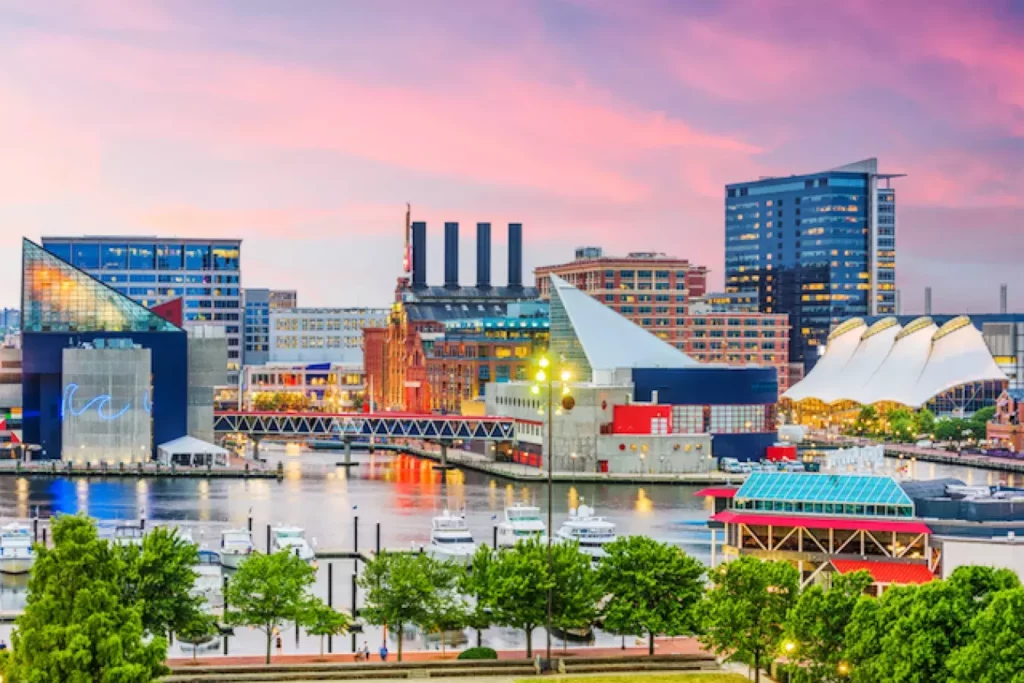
(592, 533)
(235, 546)
(292, 539)
(209, 580)
(16, 552)
(450, 539)
(521, 522)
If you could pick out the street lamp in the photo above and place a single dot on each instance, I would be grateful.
(545, 379)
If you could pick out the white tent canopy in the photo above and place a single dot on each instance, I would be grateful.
(910, 366)
(188, 451)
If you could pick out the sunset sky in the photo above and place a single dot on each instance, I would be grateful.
(303, 127)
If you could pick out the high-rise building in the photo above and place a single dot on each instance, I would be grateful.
(649, 288)
(205, 274)
(256, 330)
(819, 247)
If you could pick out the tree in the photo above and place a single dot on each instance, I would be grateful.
(322, 620)
(268, 591)
(196, 630)
(576, 589)
(519, 588)
(652, 588)
(816, 626)
(476, 583)
(984, 415)
(265, 402)
(866, 421)
(902, 426)
(399, 590)
(925, 422)
(745, 610)
(75, 627)
(995, 653)
(159, 576)
(447, 610)
(908, 636)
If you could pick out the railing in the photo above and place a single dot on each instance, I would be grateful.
(377, 425)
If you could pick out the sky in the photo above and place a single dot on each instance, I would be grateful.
(304, 128)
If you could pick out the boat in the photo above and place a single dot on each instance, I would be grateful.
(521, 522)
(292, 539)
(450, 539)
(16, 552)
(235, 546)
(209, 580)
(128, 534)
(592, 533)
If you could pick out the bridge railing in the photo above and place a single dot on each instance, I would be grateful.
(377, 425)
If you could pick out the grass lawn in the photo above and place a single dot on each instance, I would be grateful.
(651, 678)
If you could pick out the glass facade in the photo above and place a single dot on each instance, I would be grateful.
(564, 345)
(820, 248)
(60, 298)
(856, 495)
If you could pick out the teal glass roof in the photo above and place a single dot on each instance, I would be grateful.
(798, 487)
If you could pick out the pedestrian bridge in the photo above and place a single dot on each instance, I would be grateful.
(377, 425)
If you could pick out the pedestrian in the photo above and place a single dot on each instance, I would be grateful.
(3, 644)
(383, 652)
(280, 645)
(366, 650)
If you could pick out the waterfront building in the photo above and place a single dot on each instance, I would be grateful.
(1006, 429)
(10, 320)
(826, 524)
(947, 369)
(441, 348)
(256, 330)
(819, 247)
(645, 406)
(649, 288)
(323, 387)
(321, 335)
(205, 274)
(10, 397)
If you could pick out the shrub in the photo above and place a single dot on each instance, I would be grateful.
(478, 653)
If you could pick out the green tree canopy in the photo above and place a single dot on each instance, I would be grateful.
(816, 626)
(652, 588)
(577, 591)
(925, 421)
(745, 610)
(322, 620)
(519, 588)
(399, 591)
(159, 576)
(476, 584)
(995, 653)
(866, 422)
(197, 629)
(984, 415)
(448, 609)
(268, 591)
(76, 628)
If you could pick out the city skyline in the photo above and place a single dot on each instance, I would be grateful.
(304, 134)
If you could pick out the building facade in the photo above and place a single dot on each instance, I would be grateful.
(205, 274)
(319, 387)
(256, 331)
(819, 247)
(648, 288)
(321, 335)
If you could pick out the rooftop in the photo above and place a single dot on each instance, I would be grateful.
(808, 487)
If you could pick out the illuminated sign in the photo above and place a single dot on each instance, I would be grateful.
(101, 403)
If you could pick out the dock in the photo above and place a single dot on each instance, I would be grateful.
(62, 469)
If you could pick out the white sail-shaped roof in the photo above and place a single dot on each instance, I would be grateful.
(959, 356)
(869, 355)
(909, 366)
(609, 340)
(842, 343)
(896, 378)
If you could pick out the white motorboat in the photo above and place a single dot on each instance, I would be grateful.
(592, 533)
(521, 522)
(128, 534)
(16, 552)
(209, 583)
(235, 546)
(292, 539)
(450, 539)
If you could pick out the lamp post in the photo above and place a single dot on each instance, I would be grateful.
(545, 378)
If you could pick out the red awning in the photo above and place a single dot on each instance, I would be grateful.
(887, 572)
(842, 523)
(718, 492)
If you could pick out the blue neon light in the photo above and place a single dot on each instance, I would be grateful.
(67, 407)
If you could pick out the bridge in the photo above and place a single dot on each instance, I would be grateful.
(377, 425)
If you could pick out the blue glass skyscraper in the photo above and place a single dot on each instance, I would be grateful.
(819, 247)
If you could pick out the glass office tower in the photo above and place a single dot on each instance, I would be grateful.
(819, 247)
(205, 274)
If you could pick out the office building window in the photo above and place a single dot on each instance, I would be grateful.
(141, 257)
(169, 257)
(87, 256)
(197, 257)
(225, 258)
(114, 256)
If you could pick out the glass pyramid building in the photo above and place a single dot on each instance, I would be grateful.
(57, 297)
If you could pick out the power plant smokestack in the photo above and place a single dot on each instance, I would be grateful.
(419, 255)
(451, 255)
(483, 255)
(898, 304)
(515, 255)
(1003, 291)
(927, 300)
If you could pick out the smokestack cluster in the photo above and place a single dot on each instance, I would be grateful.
(1003, 295)
(927, 300)
(451, 255)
